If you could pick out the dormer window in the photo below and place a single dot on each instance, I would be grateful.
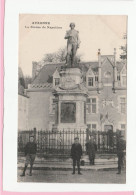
(91, 78)
(56, 78)
(90, 81)
(107, 74)
(57, 81)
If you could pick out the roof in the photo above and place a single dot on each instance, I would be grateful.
(41, 85)
(120, 65)
(46, 72)
(20, 73)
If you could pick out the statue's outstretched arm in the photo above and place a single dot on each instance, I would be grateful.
(67, 35)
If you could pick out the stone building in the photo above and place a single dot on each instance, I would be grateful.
(92, 96)
(22, 103)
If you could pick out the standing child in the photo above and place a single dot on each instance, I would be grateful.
(30, 153)
(76, 153)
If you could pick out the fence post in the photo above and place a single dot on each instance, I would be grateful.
(35, 134)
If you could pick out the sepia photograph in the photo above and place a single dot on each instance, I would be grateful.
(72, 99)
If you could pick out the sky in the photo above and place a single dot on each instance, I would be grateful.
(95, 31)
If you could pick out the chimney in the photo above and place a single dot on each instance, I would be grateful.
(115, 71)
(34, 70)
(114, 56)
(99, 71)
(99, 57)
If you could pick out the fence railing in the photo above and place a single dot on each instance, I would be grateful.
(60, 142)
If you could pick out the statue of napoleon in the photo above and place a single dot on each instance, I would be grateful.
(73, 43)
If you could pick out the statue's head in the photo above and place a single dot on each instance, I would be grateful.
(72, 25)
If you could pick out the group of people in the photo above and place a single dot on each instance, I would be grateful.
(76, 153)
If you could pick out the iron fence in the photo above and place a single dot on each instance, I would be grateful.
(60, 142)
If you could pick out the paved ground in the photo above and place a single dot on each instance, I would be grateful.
(89, 176)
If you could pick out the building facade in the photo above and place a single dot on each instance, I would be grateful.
(91, 96)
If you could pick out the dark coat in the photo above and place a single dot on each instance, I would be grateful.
(121, 147)
(91, 149)
(76, 151)
(30, 148)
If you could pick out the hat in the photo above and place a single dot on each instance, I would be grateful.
(76, 138)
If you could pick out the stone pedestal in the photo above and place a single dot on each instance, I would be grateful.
(71, 101)
(71, 112)
(71, 76)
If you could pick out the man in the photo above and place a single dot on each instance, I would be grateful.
(73, 44)
(30, 153)
(121, 147)
(76, 153)
(91, 150)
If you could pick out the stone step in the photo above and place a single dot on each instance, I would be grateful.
(66, 167)
(69, 161)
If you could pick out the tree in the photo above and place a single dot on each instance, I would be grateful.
(50, 79)
(28, 80)
(49, 58)
(22, 81)
(59, 56)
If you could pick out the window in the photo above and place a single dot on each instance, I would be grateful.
(96, 78)
(92, 127)
(107, 74)
(89, 126)
(123, 127)
(90, 81)
(118, 77)
(57, 81)
(52, 107)
(91, 105)
(123, 105)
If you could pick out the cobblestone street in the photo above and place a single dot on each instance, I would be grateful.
(88, 176)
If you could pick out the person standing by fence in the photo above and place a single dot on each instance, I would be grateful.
(91, 150)
(76, 153)
(30, 153)
(121, 147)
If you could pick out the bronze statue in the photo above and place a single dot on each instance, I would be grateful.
(73, 44)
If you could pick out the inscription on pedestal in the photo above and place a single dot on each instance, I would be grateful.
(68, 112)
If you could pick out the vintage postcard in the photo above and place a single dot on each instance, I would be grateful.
(72, 86)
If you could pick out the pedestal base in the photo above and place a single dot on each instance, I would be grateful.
(70, 77)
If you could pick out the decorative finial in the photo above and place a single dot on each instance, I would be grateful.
(99, 51)
(114, 50)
